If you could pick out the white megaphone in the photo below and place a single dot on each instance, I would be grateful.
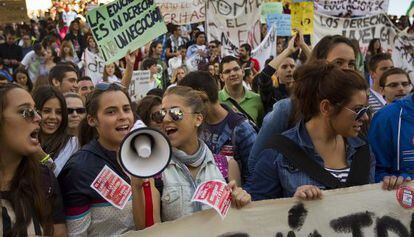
(144, 152)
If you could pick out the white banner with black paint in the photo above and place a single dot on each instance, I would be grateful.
(182, 12)
(267, 48)
(94, 66)
(141, 83)
(403, 53)
(358, 211)
(234, 22)
(351, 7)
(363, 29)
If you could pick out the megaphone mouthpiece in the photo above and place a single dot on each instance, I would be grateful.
(142, 144)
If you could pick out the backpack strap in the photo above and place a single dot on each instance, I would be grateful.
(241, 110)
(298, 157)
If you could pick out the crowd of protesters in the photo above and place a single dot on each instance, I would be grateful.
(258, 127)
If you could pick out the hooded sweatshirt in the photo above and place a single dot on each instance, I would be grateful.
(391, 136)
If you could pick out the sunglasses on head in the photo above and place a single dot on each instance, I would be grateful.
(78, 110)
(29, 114)
(103, 86)
(361, 112)
(175, 113)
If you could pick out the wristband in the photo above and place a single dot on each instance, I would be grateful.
(46, 158)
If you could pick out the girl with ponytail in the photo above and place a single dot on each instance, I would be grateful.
(333, 104)
(182, 114)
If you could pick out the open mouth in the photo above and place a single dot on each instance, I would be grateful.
(50, 125)
(34, 136)
(123, 128)
(170, 130)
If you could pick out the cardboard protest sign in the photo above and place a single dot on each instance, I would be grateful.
(302, 16)
(141, 83)
(363, 29)
(112, 187)
(216, 194)
(282, 22)
(356, 8)
(94, 66)
(357, 211)
(270, 8)
(233, 22)
(266, 48)
(182, 12)
(124, 25)
(403, 53)
(13, 11)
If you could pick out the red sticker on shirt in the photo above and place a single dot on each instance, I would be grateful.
(405, 196)
(112, 187)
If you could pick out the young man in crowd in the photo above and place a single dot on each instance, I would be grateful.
(226, 132)
(378, 64)
(395, 84)
(174, 42)
(33, 60)
(247, 62)
(197, 53)
(214, 48)
(10, 52)
(64, 77)
(231, 73)
(86, 87)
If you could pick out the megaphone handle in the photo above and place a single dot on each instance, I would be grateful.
(149, 214)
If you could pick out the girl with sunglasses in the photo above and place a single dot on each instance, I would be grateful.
(55, 140)
(182, 114)
(333, 104)
(109, 118)
(30, 201)
(76, 112)
(147, 107)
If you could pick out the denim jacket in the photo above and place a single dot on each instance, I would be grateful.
(179, 187)
(275, 177)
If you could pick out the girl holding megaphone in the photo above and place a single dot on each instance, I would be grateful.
(182, 114)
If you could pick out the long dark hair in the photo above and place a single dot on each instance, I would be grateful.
(54, 143)
(86, 132)
(29, 82)
(26, 195)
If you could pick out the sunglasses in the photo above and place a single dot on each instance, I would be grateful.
(29, 114)
(103, 86)
(361, 112)
(175, 113)
(77, 110)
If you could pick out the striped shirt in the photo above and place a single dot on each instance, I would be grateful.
(376, 101)
(341, 174)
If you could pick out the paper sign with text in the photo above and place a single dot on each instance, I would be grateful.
(141, 84)
(112, 187)
(282, 22)
(216, 194)
(125, 25)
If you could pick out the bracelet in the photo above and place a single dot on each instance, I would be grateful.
(46, 158)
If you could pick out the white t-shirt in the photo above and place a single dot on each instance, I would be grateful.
(70, 148)
(32, 63)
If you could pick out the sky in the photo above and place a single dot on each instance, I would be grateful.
(398, 7)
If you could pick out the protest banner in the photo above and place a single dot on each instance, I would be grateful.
(124, 25)
(357, 211)
(13, 11)
(270, 8)
(94, 66)
(363, 29)
(302, 17)
(234, 22)
(282, 22)
(182, 12)
(266, 48)
(355, 8)
(403, 53)
(141, 83)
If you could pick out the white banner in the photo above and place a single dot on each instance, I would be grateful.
(141, 83)
(356, 8)
(94, 66)
(403, 53)
(363, 29)
(357, 211)
(234, 22)
(182, 12)
(267, 48)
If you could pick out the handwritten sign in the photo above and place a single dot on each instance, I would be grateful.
(94, 66)
(302, 16)
(357, 211)
(269, 8)
(183, 12)
(267, 48)
(403, 53)
(355, 8)
(141, 84)
(124, 25)
(282, 22)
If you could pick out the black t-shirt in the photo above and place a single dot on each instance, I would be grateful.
(53, 196)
